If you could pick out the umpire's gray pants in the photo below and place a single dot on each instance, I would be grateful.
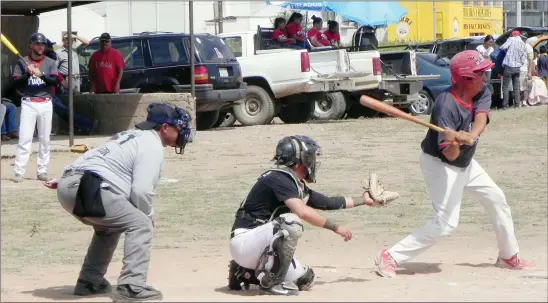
(121, 216)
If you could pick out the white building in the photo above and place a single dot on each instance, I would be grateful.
(122, 18)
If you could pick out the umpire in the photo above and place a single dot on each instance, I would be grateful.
(110, 188)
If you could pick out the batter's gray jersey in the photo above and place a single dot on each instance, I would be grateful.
(132, 162)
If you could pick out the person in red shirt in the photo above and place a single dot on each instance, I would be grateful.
(279, 34)
(317, 38)
(106, 67)
(332, 33)
(295, 30)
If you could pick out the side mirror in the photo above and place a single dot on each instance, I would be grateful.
(441, 62)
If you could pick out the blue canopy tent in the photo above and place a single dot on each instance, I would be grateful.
(376, 13)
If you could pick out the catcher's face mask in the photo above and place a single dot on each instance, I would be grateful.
(308, 151)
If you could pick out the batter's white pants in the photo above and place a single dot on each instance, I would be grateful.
(33, 113)
(446, 184)
(248, 245)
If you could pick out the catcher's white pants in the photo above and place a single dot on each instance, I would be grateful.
(33, 113)
(446, 184)
(248, 245)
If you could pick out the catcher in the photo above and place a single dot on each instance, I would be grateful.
(268, 223)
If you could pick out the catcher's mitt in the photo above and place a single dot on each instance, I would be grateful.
(376, 190)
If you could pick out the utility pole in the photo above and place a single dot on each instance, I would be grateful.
(220, 15)
(518, 13)
(434, 24)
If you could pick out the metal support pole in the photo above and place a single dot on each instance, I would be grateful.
(157, 16)
(192, 48)
(518, 13)
(71, 89)
(130, 19)
(434, 17)
(220, 15)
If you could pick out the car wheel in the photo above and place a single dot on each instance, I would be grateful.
(256, 109)
(423, 105)
(330, 106)
(226, 119)
(207, 120)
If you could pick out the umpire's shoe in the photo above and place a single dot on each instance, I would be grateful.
(126, 292)
(85, 288)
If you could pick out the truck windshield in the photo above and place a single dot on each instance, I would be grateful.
(213, 49)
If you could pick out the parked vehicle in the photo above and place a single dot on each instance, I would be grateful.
(428, 64)
(286, 82)
(159, 62)
(399, 84)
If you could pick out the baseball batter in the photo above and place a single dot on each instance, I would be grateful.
(35, 82)
(268, 223)
(449, 169)
(110, 188)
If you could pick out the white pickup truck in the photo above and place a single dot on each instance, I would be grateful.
(390, 77)
(287, 82)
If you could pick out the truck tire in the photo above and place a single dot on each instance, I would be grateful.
(226, 119)
(330, 106)
(206, 120)
(297, 112)
(256, 109)
(423, 106)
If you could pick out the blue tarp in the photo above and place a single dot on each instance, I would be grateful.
(376, 13)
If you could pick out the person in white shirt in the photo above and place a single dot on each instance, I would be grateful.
(485, 50)
(526, 72)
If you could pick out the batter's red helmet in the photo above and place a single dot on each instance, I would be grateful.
(464, 66)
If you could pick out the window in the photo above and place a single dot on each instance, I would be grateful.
(476, 2)
(466, 2)
(168, 51)
(234, 44)
(527, 5)
(487, 3)
(131, 50)
(213, 49)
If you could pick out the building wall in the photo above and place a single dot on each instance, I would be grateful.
(453, 20)
(121, 18)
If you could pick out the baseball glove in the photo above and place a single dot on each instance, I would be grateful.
(377, 192)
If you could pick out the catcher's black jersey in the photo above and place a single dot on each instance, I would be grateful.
(267, 195)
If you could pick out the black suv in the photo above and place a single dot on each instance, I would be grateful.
(159, 62)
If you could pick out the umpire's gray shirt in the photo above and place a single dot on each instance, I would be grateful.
(132, 162)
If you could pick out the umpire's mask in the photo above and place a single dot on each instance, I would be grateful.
(159, 113)
(299, 150)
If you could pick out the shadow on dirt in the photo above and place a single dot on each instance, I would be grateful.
(59, 293)
(480, 265)
(419, 268)
(342, 280)
(253, 291)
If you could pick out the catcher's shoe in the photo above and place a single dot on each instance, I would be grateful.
(238, 275)
(85, 288)
(386, 266)
(282, 289)
(513, 263)
(377, 192)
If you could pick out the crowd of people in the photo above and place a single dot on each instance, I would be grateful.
(525, 70)
(290, 33)
(39, 79)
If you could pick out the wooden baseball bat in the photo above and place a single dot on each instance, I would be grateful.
(12, 48)
(395, 112)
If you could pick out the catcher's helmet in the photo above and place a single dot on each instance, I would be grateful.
(299, 150)
(37, 38)
(465, 65)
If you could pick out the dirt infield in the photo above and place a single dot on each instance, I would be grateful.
(43, 246)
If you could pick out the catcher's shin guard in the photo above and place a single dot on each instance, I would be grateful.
(276, 259)
(238, 275)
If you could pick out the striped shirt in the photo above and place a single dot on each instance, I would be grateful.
(516, 53)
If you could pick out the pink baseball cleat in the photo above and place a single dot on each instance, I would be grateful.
(386, 266)
(513, 263)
